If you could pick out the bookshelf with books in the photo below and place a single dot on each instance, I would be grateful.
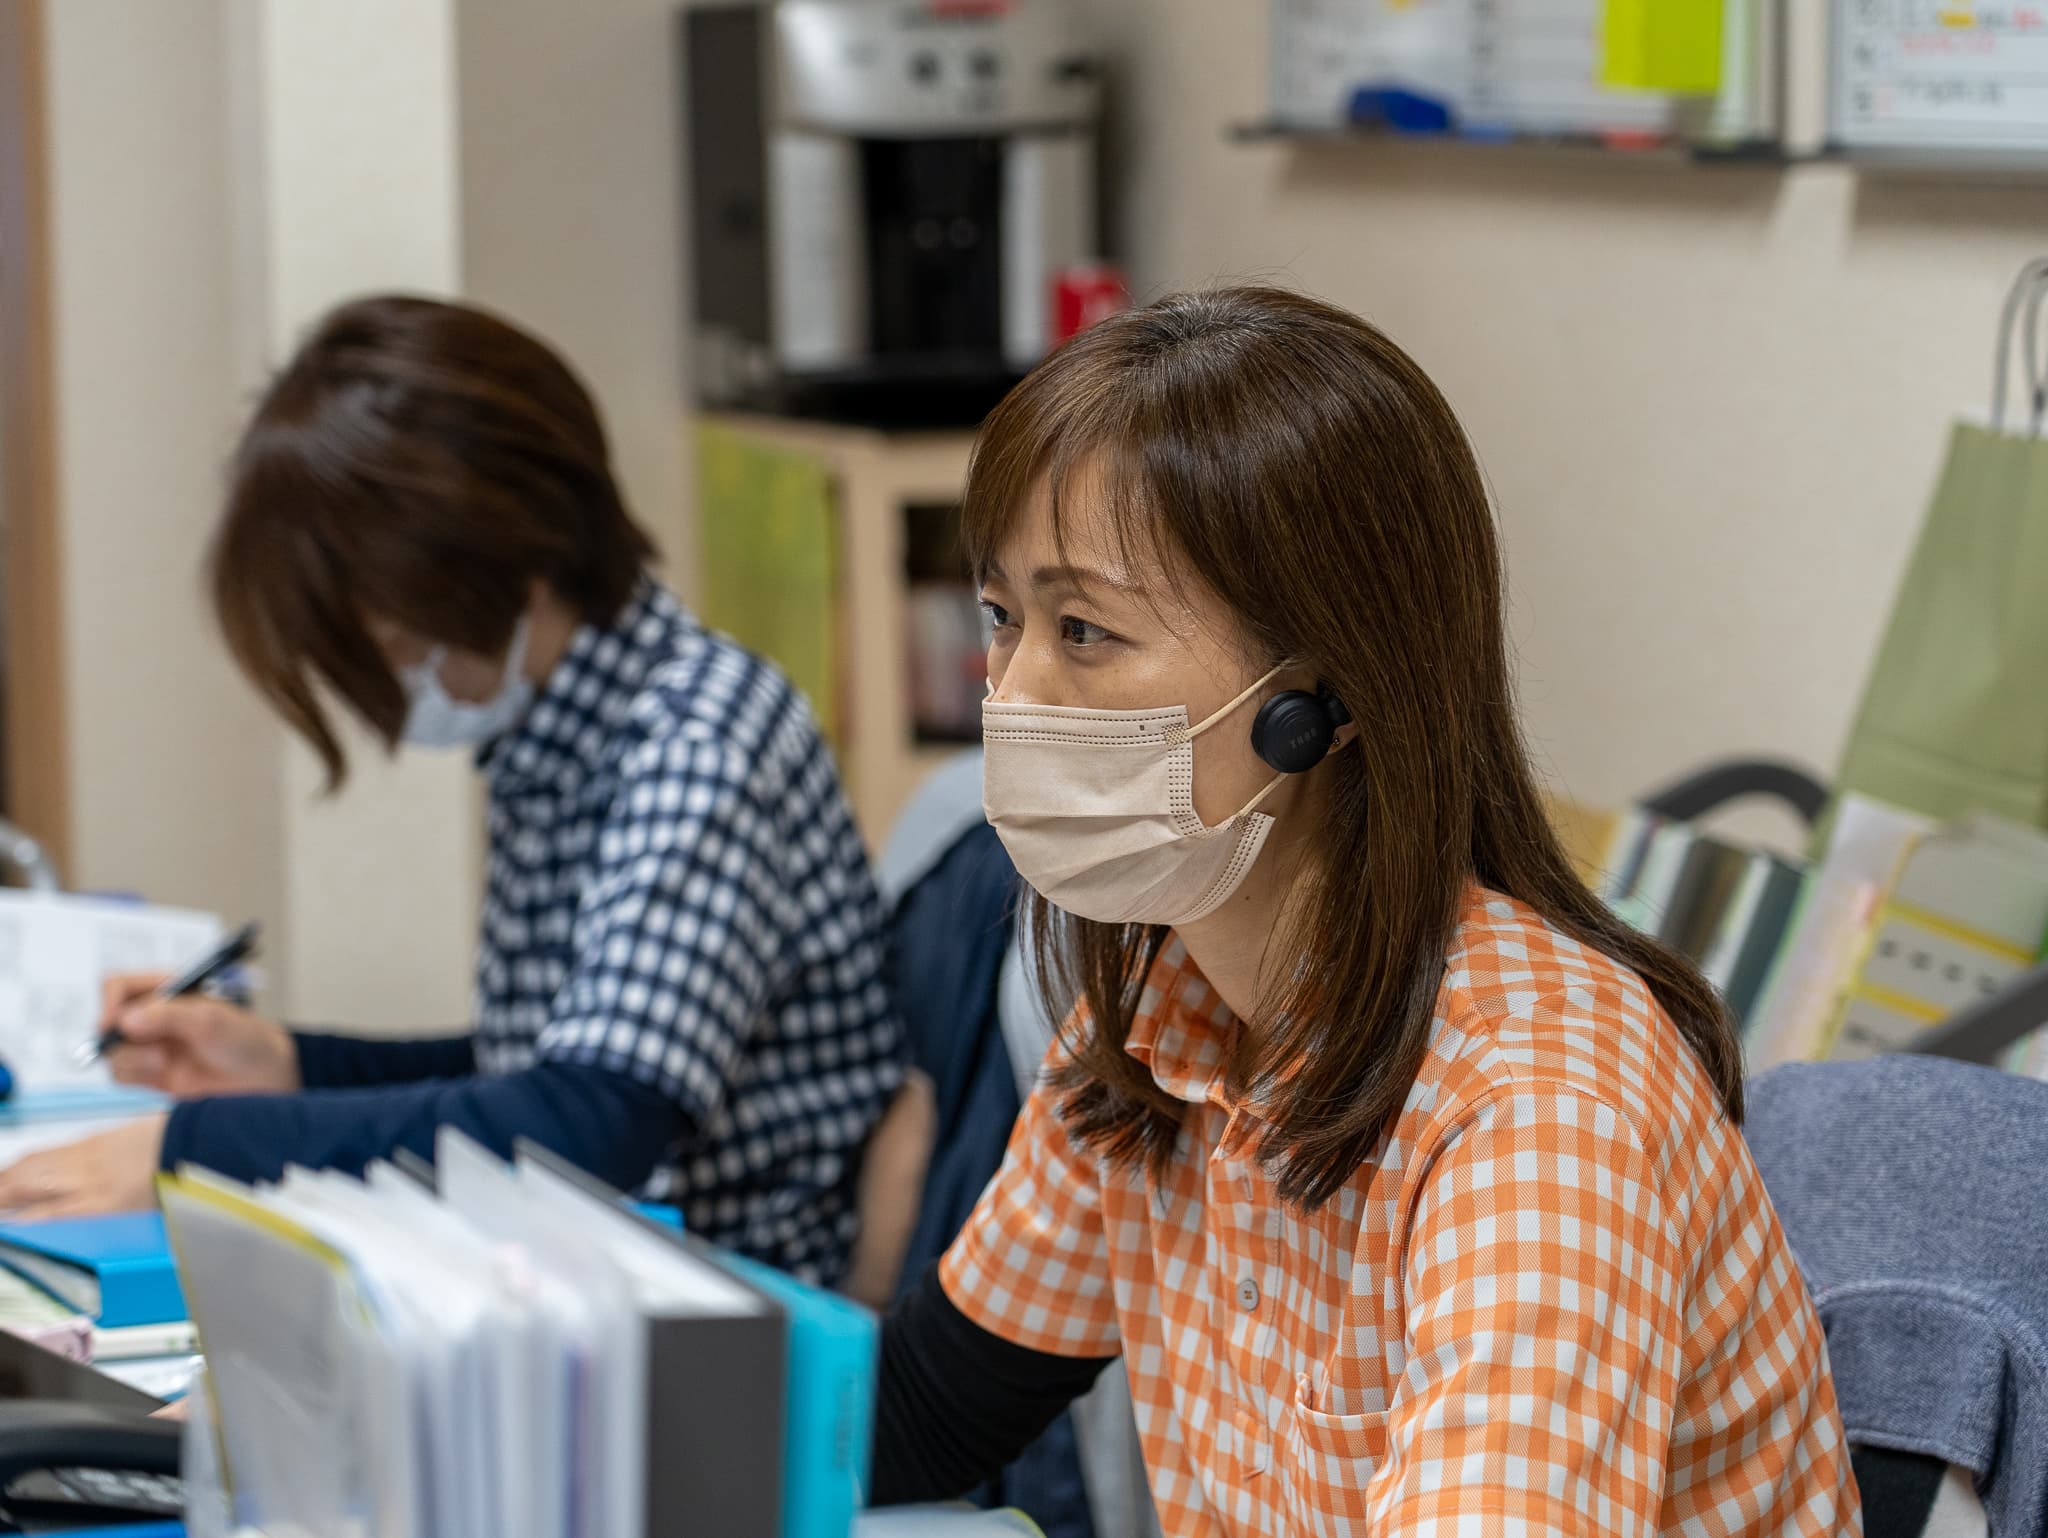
(1900, 923)
(834, 551)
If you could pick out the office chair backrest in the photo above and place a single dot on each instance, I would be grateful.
(1911, 1191)
(979, 1029)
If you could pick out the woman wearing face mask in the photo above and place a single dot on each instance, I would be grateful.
(1405, 1180)
(678, 981)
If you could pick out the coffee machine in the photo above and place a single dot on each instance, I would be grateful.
(883, 194)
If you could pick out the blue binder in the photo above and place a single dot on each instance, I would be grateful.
(828, 1417)
(117, 1270)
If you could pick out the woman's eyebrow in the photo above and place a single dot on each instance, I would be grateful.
(1082, 578)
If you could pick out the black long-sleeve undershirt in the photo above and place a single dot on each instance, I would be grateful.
(955, 1403)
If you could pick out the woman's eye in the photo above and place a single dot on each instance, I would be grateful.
(998, 616)
(1078, 632)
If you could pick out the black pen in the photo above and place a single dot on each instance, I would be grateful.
(238, 946)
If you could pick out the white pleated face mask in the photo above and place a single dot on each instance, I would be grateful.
(1097, 810)
(434, 719)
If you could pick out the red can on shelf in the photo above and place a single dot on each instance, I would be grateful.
(1084, 294)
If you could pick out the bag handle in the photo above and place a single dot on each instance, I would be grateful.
(2021, 318)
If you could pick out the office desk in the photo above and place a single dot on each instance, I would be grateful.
(919, 1524)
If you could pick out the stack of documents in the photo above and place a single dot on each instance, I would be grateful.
(1963, 915)
(115, 1270)
(1903, 923)
(30, 1312)
(100, 1290)
(1867, 841)
(511, 1355)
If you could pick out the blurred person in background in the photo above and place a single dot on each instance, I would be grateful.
(679, 976)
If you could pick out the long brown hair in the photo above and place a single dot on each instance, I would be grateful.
(417, 462)
(1295, 462)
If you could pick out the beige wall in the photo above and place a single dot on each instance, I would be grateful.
(570, 214)
(222, 171)
(173, 767)
(1711, 401)
(354, 105)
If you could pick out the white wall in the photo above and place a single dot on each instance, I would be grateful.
(1711, 401)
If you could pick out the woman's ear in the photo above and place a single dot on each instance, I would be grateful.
(1347, 729)
(553, 622)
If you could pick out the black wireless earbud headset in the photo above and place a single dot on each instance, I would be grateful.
(1293, 730)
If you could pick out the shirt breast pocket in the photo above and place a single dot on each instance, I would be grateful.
(1326, 1463)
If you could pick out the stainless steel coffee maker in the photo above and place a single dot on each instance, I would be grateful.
(882, 195)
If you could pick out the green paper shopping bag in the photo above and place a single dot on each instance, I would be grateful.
(1954, 718)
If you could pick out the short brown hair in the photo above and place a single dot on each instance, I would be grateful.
(1295, 462)
(423, 463)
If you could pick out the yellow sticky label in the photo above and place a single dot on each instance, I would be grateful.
(1662, 45)
(1911, 1008)
(1961, 934)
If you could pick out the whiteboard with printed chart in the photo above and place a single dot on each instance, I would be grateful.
(1529, 66)
(1940, 79)
(1501, 70)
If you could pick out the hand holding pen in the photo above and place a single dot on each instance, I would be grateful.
(163, 1033)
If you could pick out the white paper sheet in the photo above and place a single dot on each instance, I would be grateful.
(54, 953)
(276, 1310)
(612, 1332)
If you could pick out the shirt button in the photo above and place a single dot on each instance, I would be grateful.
(1248, 1295)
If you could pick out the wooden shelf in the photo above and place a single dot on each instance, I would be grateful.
(1877, 160)
(1627, 146)
(876, 475)
(1939, 160)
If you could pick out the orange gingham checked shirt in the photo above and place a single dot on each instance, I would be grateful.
(1558, 1304)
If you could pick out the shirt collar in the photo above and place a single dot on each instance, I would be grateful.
(1183, 1031)
(572, 729)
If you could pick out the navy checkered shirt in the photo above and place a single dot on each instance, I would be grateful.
(677, 894)
(680, 968)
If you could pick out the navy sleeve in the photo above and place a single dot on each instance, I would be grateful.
(602, 1122)
(351, 1062)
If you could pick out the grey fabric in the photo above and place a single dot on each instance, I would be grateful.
(943, 807)
(946, 803)
(1020, 1010)
(1910, 1189)
(1112, 1463)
